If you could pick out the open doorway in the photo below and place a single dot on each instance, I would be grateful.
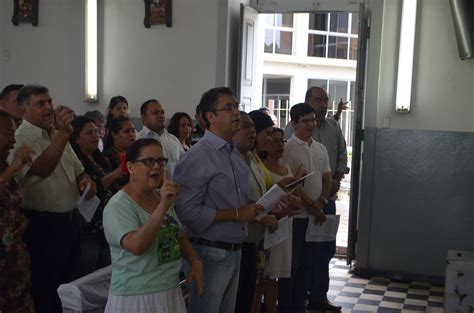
(295, 51)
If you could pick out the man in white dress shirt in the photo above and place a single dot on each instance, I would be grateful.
(153, 118)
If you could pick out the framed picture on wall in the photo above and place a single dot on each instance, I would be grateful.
(157, 12)
(25, 11)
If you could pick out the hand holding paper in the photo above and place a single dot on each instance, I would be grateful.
(272, 239)
(248, 212)
(270, 222)
(327, 231)
(84, 181)
(269, 200)
(87, 207)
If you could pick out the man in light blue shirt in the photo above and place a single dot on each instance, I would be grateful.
(213, 202)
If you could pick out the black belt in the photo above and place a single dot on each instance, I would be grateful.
(70, 215)
(217, 244)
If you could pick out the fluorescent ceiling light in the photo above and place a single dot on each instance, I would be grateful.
(91, 50)
(405, 56)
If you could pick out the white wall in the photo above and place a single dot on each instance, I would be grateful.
(3, 10)
(175, 65)
(51, 54)
(443, 85)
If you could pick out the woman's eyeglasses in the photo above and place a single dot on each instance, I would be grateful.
(150, 162)
(278, 142)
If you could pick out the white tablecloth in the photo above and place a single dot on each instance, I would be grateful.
(87, 294)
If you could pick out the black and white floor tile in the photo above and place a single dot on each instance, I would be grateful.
(380, 294)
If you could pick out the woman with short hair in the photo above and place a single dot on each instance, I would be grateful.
(145, 240)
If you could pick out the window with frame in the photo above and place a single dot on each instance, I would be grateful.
(276, 97)
(279, 31)
(333, 35)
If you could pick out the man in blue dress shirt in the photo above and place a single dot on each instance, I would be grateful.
(213, 202)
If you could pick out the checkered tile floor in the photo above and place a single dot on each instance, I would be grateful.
(380, 294)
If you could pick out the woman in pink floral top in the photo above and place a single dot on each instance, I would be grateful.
(15, 275)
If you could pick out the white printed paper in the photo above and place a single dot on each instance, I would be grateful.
(299, 180)
(269, 200)
(86, 207)
(280, 235)
(325, 232)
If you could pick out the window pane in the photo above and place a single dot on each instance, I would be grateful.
(278, 85)
(339, 22)
(283, 114)
(285, 20)
(318, 21)
(317, 46)
(347, 118)
(355, 23)
(268, 41)
(323, 83)
(270, 19)
(351, 103)
(276, 95)
(337, 90)
(337, 47)
(342, 124)
(353, 50)
(283, 42)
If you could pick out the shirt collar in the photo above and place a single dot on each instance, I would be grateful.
(247, 157)
(216, 141)
(35, 130)
(148, 131)
(300, 141)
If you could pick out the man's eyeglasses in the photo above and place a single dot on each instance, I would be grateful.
(229, 107)
(150, 162)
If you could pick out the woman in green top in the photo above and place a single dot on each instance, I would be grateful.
(146, 244)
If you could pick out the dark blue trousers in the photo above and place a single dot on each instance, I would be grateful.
(309, 268)
(292, 291)
(321, 254)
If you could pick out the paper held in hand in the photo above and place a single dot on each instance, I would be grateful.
(324, 232)
(269, 200)
(299, 180)
(86, 207)
(280, 235)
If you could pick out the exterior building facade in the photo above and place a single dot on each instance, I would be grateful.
(301, 50)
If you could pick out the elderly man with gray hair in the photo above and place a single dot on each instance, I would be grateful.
(50, 186)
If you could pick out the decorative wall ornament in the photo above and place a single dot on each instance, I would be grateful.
(157, 12)
(25, 11)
